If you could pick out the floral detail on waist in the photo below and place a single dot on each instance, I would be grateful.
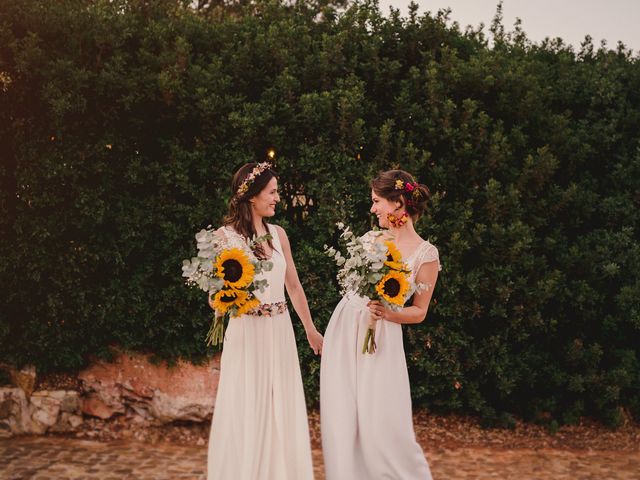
(268, 309)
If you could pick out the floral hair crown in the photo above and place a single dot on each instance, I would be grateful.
(409, 187)
(257, 171)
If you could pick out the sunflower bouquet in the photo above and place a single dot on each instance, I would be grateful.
(373, 269)
(226, 268)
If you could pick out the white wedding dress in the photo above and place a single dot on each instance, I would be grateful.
(260, 429)
(365, 400)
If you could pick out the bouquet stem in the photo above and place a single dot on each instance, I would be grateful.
(369, 345)
(215, 336)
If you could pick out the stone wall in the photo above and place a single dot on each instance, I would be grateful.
(130, 386)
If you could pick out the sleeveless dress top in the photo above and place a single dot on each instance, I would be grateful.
(259, 429)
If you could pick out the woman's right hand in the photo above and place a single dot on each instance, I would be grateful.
(378, 311)
(314, 337)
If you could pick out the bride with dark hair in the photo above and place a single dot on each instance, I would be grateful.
(365, 399)
(260, 428)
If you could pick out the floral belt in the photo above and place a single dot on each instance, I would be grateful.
(268, 309)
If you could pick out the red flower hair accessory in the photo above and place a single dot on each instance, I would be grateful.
(408, 187)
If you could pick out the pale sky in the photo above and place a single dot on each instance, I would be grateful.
(571, 20)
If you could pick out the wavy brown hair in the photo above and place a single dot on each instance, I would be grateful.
(239, 216)
(384, 185)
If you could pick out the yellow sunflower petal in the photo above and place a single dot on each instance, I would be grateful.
(393, 287)
(393, 254)
(394, 257)
(250, 304)
(399, 266)
(225, 299)
(235, 268)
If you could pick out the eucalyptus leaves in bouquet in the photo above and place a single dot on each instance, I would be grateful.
(372, 268)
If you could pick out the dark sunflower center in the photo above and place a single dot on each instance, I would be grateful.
(227, 298)
(389, 258)
(391, 287)
(232, 270)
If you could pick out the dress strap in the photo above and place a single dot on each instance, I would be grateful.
(276, 238)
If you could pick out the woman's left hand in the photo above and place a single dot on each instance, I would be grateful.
(378, 311)
(315, 341)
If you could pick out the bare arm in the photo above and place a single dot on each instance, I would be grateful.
(417, 312)
(297, 295)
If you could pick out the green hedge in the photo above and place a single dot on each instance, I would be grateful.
(122, 122)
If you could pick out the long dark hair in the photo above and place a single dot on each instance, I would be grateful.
(239, 216)
(414, 201)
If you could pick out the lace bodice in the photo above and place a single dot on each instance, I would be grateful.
(275, 290)
(426, 252)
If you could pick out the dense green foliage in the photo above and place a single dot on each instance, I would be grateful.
(121, 123)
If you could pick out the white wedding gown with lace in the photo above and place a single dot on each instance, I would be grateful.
(365, 400)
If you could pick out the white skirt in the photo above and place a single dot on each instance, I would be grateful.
(365, 401)
(260, 429)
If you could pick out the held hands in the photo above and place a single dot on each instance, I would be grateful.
(315, 341)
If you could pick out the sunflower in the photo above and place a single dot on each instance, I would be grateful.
(393, 287)
(248, 305)
(394, 258)
(225, 299)
(234, 267)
